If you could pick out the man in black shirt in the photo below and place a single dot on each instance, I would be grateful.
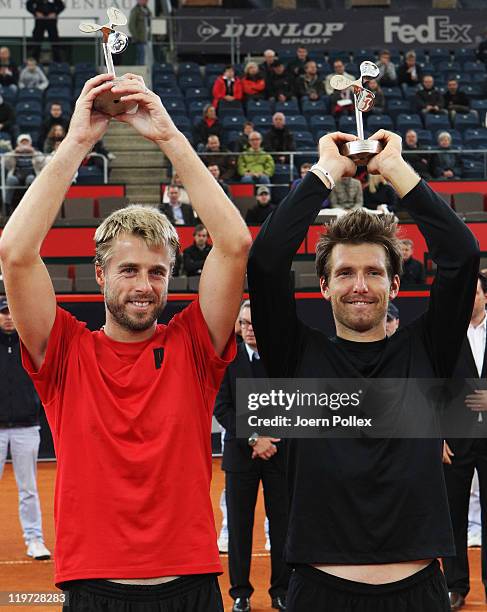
(456, 100)
(420, 162)
(368, 517)
(46, 13)
(195, 256)
(259, 213)
(429, 99)
(412, 269)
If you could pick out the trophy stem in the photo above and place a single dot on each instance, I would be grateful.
(108, 59)
(359, 120)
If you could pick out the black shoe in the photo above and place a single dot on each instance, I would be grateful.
(242, 604)
(457, 601)
(279, 603)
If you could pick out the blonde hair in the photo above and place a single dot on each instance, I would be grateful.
(250, 65)
(146, 222)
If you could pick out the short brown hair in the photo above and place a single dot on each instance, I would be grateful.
(358, 227)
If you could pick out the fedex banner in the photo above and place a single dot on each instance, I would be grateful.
(15, 20)
(257, 30)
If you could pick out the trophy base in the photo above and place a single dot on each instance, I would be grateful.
(360, 151)
(110, 104)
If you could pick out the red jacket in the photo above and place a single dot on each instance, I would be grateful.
(219, 90)
(251, 87)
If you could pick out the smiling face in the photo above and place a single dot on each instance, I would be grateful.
(134, 283)
(359, 289)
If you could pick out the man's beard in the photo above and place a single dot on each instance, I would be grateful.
(132, 323)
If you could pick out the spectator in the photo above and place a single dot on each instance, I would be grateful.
(242, 141)
(253, 83)
(183, 194)
(347, 194)
(269, 59)
(342, 102)
(392, 319)
(296, 66)
(139, 28)
(215, 171)
(455, 100)
(94, 160)
(8, 67)
(23, 164)
(56, 134)
(387, 69)
(482, 49)
(378, 192)
(214, 153)
(445, 164)
(303, 171)
(227, 87)
(279, 138)
(55, 117)
(208, 126)
(259, 213)
(45, 14)
(309, 84)
(429, 99)
(7, 118)
(412, 269)
(379, 100)
(175, 211)
(195, 256)
(409, 73)
(419, 162)
(281, 83)
(32, 76)
(338, 68)
(254, 164)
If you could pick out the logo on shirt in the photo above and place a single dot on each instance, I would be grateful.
(158, 357)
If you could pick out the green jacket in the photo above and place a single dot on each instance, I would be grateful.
(259, 162)
(138, 21)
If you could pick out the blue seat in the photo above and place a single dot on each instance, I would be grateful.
(60, 80)
(262, 121)
(474, 66)
(169, 98)
(473, 169)
(296, 122)
(478, 78)
(465, 54)
(473, 136)
(436, 122)
(58, 94)
(449, 66)
(352, 68)
(174, 105)
(81, 77)
(427, 67)
(80, 67)
(188, 81)
(197, 93)
(322, 124)
(89, 175)
(257, 107)
(392, 92)
(29, 122)
(182, 122)
(438, 54)
(168, 91)
(467, 120)
(231, 112)
(395, 107)
(474, 91)
(313, 107)
(214, 69)
(376, 122)
(230, 136)
(347, 124)
(233, 121)
(189, 68)
(162, 68)
(163, 80)
(29, 94)
(425, 137)
(195, 107)
(304, 140)
(28, 108)
(481, 107)
(59, 68)
(405, 122)
(9, 95)
(287, 107)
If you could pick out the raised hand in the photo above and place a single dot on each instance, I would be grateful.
(151, 120)
(88, 126)
(389, 157)
(331, 159)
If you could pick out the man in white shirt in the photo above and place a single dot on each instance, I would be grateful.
(463, 456)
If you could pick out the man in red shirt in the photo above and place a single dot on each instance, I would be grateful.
(130, 405)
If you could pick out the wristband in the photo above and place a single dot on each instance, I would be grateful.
(324, 174)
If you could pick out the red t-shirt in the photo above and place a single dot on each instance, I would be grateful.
(131, 424)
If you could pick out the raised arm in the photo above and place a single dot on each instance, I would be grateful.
(272, 298)
(223, 274)
(452, 247)
(29, 289)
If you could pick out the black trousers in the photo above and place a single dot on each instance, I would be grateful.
(311, 590)
(186, 594)
(41, 26)
(241, 490)
(458, 477)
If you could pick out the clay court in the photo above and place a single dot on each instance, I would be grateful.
(18, 573)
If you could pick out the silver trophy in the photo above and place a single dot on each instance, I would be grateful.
(113, 43)
(361, 150)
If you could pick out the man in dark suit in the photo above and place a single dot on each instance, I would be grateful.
(412, 269)
(177, 213)
(246, 463)
(462, 456)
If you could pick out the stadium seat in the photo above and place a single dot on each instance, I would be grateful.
(465, 54)
(214, 69)
(475, 136)
(89, 175)
(449, 66)
(288, 107)
(304, 140)
(313, 107)
(59, 94)
(481, 107)
(163, 68)
(230, 112)
(352, 68)
(296, 122)
(195, 108)
(322, 124)
(474, 66)
(233, 121)
(28, 94)
(376, 122)
(347, 124)
(478, 78)
(197, 93)
(405, 122)
(182, 122)
(259, 107)
(473, 169)
(26, 123)
(188, 81)
(438, 54)
(392, 92)
(189, 68)
(425, 137)
(395, 107)
(28, 108)
(163, 80)
(262, 121)
(174, 105)
(466, 121)
(436, 122)
(60, 80)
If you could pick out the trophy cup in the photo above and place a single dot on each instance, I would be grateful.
(113, 42)
(359, 151)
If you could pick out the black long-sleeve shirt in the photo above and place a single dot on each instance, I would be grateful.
(45, 6)
(361, 501)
